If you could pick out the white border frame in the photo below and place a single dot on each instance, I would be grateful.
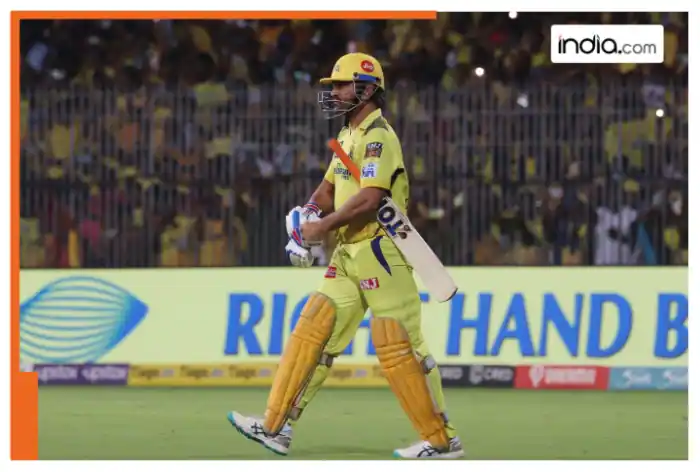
(442, 5)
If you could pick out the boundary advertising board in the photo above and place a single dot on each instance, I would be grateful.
(537, 377)
(501, 316)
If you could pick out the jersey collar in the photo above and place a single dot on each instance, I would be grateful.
(369, 119)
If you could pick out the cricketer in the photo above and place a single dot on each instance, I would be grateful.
(366, 271)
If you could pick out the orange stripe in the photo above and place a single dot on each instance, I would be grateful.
(335, 146)
(224, 15)
(24, 391)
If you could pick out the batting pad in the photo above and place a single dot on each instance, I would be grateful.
(299, 360)
(407, 379)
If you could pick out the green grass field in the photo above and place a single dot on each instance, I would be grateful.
(179, 423)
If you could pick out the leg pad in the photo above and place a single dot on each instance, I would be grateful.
(406, 376)
(304, 351)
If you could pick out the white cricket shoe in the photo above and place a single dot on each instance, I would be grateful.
(252, 428)
(423, 450)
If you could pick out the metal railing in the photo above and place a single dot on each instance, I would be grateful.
(204, 177)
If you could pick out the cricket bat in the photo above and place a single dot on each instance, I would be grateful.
(399, 228)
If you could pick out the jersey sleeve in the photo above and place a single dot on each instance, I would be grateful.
(381, 157)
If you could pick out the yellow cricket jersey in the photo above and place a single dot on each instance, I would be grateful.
(376, 150)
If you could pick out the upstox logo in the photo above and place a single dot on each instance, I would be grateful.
(607, 44)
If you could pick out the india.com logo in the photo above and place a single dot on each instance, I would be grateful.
(607, 44)
(597, 45)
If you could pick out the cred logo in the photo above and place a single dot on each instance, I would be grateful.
(479, 374)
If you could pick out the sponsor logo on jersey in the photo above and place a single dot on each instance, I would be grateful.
(369, 171)
(342, 171)
(369, 284)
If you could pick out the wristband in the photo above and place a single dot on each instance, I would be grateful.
(312, 207)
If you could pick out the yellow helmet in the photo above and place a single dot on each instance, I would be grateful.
(360, 69)
(356, 67)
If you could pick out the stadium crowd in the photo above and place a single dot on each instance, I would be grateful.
(184, 143)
